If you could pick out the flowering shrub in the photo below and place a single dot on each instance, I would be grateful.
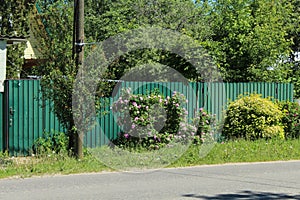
(151, 121)
(206, 126)
(291, 118)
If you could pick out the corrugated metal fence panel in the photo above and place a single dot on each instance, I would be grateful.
(189, 90)
(280, 91)
(105, 129)
(30, 116)
(216, 96)
(23, 102)
(285, 92)
(1, 121)
(213, 97)
(49, 120)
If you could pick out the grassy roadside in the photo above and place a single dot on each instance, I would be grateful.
(243, 151)
(234, 151)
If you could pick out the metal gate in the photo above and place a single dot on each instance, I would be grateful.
(26, 116)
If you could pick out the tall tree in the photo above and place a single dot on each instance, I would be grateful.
(294, 34)
(120, 16)
(249, 39)
(52, 25)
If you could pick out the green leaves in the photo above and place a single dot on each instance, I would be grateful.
(14, 22)
(121, 16)
(253, 117)
(151, 120)
(53, 29)
(252, 37)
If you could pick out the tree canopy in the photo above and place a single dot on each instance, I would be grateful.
(14, 23)
(250, 40)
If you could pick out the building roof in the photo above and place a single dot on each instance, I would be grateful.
(13, 39)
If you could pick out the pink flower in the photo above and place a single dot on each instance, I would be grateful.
(201, 109)
(177, 105)
(126, 135)
(134, 104)
(133, 126)
(136, 118)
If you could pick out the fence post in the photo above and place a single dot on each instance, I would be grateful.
(6, 116)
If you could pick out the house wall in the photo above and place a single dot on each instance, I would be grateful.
(32, 51)
(2, 64)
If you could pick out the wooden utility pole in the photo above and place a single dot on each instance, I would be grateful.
(79, 55)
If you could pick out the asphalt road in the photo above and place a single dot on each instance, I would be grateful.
(274, 180)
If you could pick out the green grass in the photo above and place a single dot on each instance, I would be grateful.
(243, 151)
(233, 151)
(48, 165)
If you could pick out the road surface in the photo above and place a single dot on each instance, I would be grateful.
(273, 180)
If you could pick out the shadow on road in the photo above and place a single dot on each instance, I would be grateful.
(246, 195)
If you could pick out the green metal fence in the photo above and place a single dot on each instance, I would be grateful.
(25, 115)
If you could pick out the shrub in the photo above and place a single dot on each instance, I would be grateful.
(291, 118)
(253, 117)
(150, 120)
(206, 126)
(56, 142)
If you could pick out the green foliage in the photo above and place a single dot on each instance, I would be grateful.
(15, 60)
(249, 37)
(206, 126)
(56, 142)
(13, 19)
(14, 22)
(252, 117)
(151, 121)
(58, 70)
(109, 18)
(4, 159)
(291, 118)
